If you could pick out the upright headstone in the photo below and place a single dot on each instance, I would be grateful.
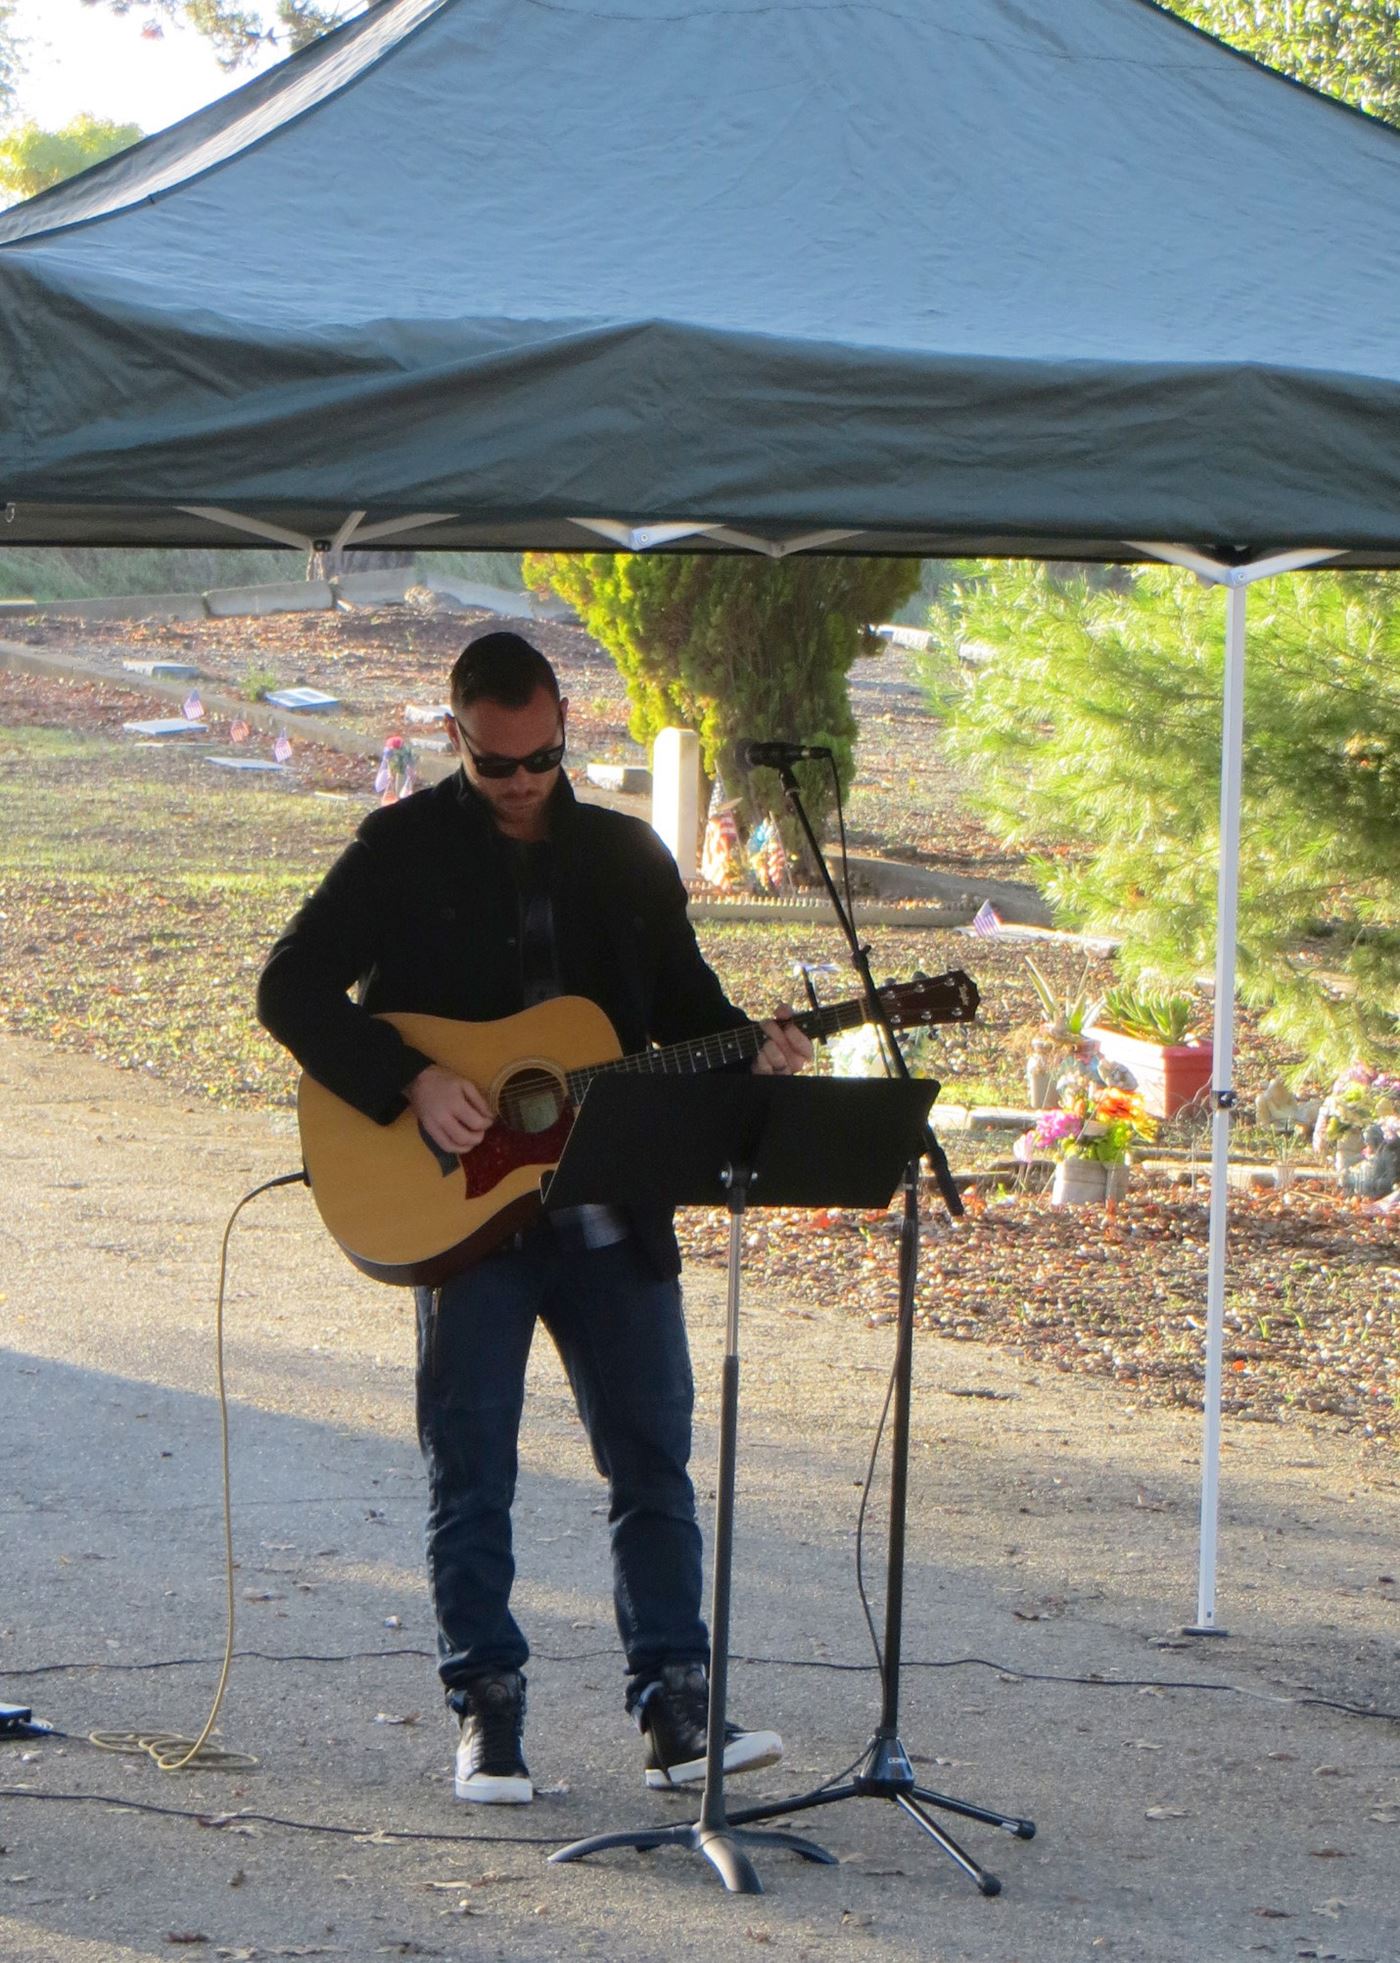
(675, 796)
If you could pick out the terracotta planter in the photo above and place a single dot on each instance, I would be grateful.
(1170, 1076)
(1087, 1182)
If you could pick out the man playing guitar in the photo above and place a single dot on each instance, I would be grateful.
(491, 892)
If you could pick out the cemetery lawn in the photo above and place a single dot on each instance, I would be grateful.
(140, 889)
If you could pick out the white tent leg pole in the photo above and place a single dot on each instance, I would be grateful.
(1222, 1073)
(1236, 581)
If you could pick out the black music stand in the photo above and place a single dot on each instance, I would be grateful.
(748, 1141)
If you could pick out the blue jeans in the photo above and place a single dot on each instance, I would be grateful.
(620, 1333)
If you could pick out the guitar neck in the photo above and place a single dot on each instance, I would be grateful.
(725, 1046)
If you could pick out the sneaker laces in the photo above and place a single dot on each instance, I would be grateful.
(495, 1715)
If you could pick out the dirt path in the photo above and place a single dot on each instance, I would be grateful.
(1052, 1534)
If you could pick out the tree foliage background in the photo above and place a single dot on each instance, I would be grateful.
(31, 158)
(1094, 719)
(734, 647)
(1347, 48)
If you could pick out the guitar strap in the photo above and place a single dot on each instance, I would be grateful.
(579, 1227)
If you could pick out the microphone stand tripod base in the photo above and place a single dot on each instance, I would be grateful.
(887, 1774)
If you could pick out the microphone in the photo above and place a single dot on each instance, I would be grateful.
(776, 756)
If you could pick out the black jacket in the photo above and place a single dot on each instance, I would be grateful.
(420, 913)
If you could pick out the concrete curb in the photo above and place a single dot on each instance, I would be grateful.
(385, 588)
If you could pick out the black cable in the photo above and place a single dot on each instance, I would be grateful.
(287, 1656)
(1010, 1671)
(381, 1835)
(867, 1487)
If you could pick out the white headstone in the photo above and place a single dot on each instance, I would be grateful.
(675, 796)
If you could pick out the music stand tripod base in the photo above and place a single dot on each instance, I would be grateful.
(814, 1143)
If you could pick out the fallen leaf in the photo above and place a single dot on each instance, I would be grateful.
(385, 1717)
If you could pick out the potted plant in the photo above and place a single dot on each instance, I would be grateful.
(1150, 1035)
(1063, 1032)
(1089, 1136)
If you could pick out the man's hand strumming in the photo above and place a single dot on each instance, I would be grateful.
(451, 1111)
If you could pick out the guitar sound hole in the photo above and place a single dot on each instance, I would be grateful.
(531, 1100)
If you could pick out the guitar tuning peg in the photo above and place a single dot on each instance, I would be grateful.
(889, 982)
(919, 975)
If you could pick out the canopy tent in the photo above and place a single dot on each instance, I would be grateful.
(934, 277)
(924, 276)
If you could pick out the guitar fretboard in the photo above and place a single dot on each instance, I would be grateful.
(713, 1052)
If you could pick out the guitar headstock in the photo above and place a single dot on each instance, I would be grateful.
(930, 999)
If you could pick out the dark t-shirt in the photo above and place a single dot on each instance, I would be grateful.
(533, 864)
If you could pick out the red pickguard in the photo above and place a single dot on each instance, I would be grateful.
(502, 1150)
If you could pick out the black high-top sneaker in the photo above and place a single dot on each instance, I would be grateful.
(673, 1715)
(491, 1759)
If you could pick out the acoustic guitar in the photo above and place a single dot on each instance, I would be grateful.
(406, 1211)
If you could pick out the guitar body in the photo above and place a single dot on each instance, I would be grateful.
(404, 1212)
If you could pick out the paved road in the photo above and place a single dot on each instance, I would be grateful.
(1051, 1534)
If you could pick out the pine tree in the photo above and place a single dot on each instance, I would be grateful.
(1095, 725)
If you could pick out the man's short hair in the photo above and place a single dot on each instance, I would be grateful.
(500, 667)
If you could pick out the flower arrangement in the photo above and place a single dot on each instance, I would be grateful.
(397, 776)
(1093, 1121)
(1360, 1096)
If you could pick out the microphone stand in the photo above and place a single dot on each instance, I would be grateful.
(886, 1772)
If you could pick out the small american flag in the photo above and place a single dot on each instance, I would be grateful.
(986, 922)
(193, 707)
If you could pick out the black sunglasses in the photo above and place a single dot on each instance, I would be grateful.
(537, 763)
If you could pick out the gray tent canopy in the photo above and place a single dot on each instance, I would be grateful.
(922, 276)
